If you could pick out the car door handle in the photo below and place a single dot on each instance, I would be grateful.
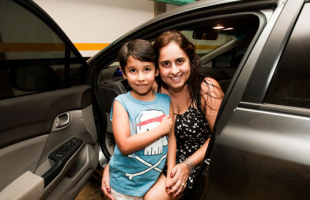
(207, 165)
(63, 120)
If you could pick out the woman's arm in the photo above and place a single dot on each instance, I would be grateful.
(172, 150)
(128, 143)
(212, 95)
(214, 99)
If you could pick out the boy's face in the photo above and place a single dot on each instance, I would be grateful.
(140, 76)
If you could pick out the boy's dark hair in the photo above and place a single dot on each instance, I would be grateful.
(139, 49)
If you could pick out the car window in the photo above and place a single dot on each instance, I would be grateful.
(206, 41)
(290, 85)
(223, 43)
(33, 57)
(220, 43)
(231, 58)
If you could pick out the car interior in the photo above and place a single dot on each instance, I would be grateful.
(221, 45)
(48, 137)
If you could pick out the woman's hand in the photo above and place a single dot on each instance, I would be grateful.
(179, 176)
(105, 184)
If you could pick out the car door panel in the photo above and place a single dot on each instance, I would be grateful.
(48, 137)
(248, 163)
(19, 158)
(34, 115)
(29, 186)
(29, 138)
(261, 150)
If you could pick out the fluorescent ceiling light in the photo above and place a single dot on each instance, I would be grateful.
(218, 27)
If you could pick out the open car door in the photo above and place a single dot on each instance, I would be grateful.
(48, 137)
(261, 143)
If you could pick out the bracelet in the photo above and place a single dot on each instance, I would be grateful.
(190, 165)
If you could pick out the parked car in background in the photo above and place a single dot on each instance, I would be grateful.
(55, 106)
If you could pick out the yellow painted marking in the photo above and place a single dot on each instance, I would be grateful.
(90, 46)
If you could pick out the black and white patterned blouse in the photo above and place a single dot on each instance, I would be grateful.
(191, 132)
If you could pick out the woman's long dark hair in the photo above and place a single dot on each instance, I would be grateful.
(195, 79)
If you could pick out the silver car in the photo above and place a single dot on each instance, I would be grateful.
(55, 106)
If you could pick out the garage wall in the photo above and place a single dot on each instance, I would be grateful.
(170, 6)
(93, 24)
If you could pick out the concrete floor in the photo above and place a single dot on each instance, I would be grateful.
(92, 189)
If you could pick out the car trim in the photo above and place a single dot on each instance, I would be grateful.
(276, 108)
(270, 55)
(241, 77)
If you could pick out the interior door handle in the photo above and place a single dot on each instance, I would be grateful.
(63, 120)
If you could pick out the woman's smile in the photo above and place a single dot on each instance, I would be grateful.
(177, 78)
(174, 65)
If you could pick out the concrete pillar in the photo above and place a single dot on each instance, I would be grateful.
(159, 8)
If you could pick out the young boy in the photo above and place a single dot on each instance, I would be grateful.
(141, 123)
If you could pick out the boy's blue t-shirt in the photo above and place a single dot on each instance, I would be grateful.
(134, 174)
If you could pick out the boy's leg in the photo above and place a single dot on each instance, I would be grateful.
(158, 191)
(119, 196)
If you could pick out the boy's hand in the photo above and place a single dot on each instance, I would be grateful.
(166, 125)
(105, 184)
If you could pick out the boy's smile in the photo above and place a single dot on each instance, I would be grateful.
(140, 76)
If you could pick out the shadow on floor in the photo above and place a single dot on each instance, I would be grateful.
(92, 189)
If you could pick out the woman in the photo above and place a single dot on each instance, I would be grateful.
(196, 100)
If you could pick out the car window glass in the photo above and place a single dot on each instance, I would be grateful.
(206, 45)
(32, 56)
(230, 51)
(231, 58)
(290, 85)
(222, 43)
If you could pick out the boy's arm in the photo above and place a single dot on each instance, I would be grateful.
(121, 129)
(172, 147)
(105, 183)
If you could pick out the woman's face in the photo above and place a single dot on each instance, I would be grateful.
(174, 66)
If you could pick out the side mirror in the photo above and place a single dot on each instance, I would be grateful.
(205, 35)
(34, 77)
